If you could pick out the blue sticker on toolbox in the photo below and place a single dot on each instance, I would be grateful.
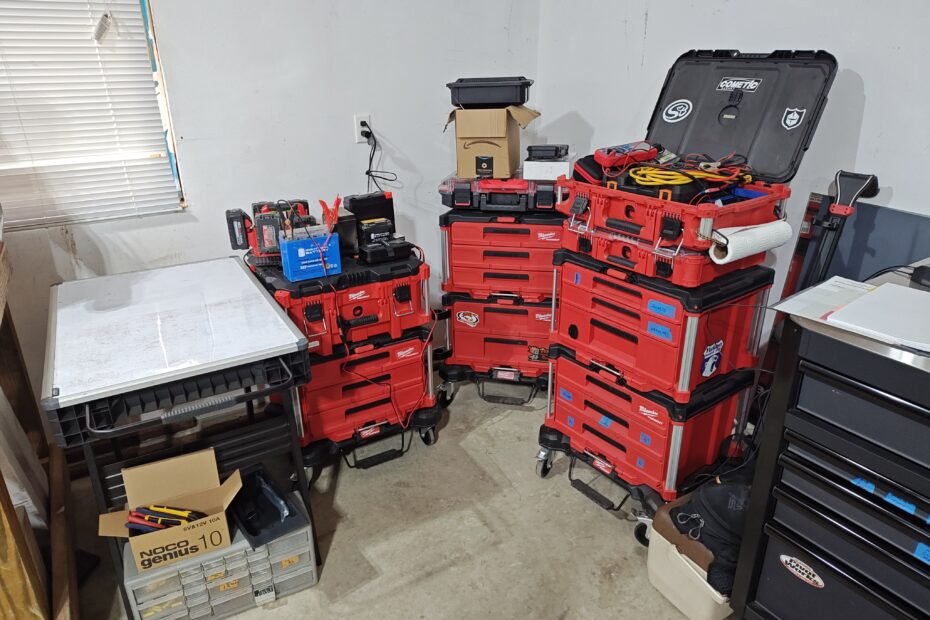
(862, 483)
(565, 394)
(662, 309)
(605, 421)
(898, 502)
(645, 439)
(659, 330)
(640, 462)
(922, 552)
(577, 277)
(571, 421)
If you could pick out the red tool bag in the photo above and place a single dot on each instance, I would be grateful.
(644, 438)
(714, 105)
(654, 335)
(485, 253)
(360, 303)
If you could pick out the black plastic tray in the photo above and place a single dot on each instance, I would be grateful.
(493, 92)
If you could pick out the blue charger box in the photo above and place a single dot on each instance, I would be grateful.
(302, 259)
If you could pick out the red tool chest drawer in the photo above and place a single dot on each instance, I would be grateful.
(486, 253)
(502, 331)
(641, 434)
(657, 335)
(681, 267)
(362, 302)
(664, 222)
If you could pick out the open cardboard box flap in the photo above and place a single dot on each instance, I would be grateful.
(490, 122)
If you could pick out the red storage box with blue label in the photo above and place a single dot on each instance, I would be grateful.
(485, 253)
(656, 335)
(645, 438)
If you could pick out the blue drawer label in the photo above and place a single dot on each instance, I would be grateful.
(605, 421)
(571, 421)
(577, 277)
(565, 394)
(898, 502)
(862, 483)
(922, 553)
(645, 439)
(640, 462)
(657, 307)
(661, 331)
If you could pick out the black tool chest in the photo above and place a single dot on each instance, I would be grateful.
(839, 519)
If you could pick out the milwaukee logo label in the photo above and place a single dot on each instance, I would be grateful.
(651, 414)
(171, 551)
(408, 352)
(547, 236)
(358, 295)
(739, 83)
(547, 316)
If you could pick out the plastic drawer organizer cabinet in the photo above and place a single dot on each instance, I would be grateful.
(638, 439)
(654, 335)
(225, 582)
(362, 302)
(486, 253)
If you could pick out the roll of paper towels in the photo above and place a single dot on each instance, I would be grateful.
(732, 244)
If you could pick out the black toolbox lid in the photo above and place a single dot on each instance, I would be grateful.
(763, 106)
(489, 217)
(353, 274)
(698, 299)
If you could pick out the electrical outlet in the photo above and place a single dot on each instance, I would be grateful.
(358, 118)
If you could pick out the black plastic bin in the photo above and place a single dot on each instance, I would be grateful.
(496, 92)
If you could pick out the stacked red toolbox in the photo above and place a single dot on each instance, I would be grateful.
(653, 344)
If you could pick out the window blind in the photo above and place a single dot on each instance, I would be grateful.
(81, 134)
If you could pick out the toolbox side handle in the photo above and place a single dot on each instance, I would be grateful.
(615, 331)
(623, 262)
(497, 230)
(366, 319)
(623, 226)
(189, 410)
(505, 254)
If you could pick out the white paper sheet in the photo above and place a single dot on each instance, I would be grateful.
(818, 301)
(891, 313)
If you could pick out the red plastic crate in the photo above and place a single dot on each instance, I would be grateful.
(637, 435)
(498, 194)
(499, 332)
(656, 335)
(485, 253)
(665, 222)
(682, 267)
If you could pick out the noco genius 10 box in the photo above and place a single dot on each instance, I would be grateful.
(715, 108)
(639, 439)
(362, 302)
(487, 253)
(655, 335)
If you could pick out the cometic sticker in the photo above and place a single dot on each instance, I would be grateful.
(467, 317)
(712, 356)
(662, 309)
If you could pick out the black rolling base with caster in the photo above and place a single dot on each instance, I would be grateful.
(451, 374)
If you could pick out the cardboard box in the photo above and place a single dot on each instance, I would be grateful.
(487, 141)
(190, 481)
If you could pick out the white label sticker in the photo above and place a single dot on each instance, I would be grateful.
(544, 316)
(467, 317)
(712, 357)
(264, 595)
(356, 296)
(408, 352)
(739, 83)
(547, 236)
(651, 414)
(677, 110)
(801, 570)
(792, 117)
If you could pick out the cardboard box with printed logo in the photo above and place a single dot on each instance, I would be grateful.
(189, 482)
(487, 141)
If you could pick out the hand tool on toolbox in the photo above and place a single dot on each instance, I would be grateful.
(145, 519)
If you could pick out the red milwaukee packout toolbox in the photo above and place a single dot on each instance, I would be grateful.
(503, 335)
(487, 253)
(685, 268)
(655, 335)
(360, 303)
(718, 103)
(643, 438)
(498, 194)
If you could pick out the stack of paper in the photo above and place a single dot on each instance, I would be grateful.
(891, 313)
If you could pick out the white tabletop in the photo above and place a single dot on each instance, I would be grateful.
(114, 334)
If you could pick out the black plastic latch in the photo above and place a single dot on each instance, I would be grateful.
(671, 228)
(585, 245)
(314, 312)
(461, 195)
(402, 293)
(545, 196)
(579, 205)
(663, 269)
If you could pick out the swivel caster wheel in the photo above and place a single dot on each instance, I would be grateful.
(641, 534)
(445, 397)
(428, 435)
(543, 463)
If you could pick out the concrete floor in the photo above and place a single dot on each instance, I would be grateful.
(461, 529)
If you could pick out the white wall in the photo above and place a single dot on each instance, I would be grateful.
(262, 97)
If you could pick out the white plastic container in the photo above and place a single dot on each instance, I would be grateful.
(683, 582)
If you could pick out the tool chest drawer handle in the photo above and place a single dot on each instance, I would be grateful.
(597, 301)
(618, 287)
(492, 275)
(610, 416)
(507, 311)
(516, 343)
(623, 262)
(361, 321)
(609, 388)
(615, 331)
(842, 381)
(371, 358)
(495, 230)
(504, 254)
(367, 406)
(351, 387)
(603, 437)
(624, 226)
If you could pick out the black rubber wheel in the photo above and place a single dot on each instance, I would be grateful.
(641, 534)
(543, 467)
(445, 398)
(428, 435)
